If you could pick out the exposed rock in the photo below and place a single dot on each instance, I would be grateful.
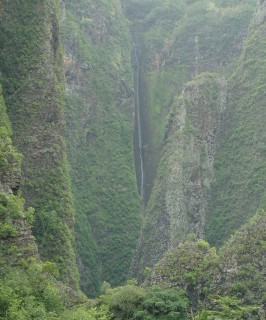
(178, 203)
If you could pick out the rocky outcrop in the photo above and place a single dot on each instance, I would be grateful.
(230, 284)
(17, 243)
(241, 268)
(10, 159)
(178, 203)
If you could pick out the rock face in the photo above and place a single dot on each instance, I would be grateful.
(16, 240)
(17, 244)
(99, 134)
(211, 177)
(10, 159)
(239, 185)
(176, 41)
(178, 203)
(32, 72)
(242, 265)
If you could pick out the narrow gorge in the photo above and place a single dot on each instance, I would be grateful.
(132, 159)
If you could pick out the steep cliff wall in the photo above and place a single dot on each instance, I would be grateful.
(32, 69)
(16, 241)
(179, 200)
(211, 177)
(175, 41)
(100, 123)
(239, 183)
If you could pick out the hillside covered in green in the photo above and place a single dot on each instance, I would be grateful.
(240, 169)
(211, 176)
(132, 160)
(99, 115)
(177, 40)
(33, 86)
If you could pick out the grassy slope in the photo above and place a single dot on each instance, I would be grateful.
(99, 133)
(240, 167)
(31, 65)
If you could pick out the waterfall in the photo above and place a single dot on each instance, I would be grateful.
(138, 123)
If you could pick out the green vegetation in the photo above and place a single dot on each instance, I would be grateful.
(31, 66)
(211, 175)
(99, 134)
(239, 182)
(190, 282)
(10, 159)
(177, 204)
(188, 267)
(175, 41)
(29, 294)
(229, 285)
(132, 302)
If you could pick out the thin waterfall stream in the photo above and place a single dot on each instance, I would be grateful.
(139, 139)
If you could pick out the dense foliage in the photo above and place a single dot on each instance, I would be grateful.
(32, 75)
(132, 302)
(239, 183)
(175, 41)
(214, 121)
(99, 134)
(229, 285)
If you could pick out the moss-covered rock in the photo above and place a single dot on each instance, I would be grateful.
(176, 40)
(178, 203)
(187, 267)
(32, 74)
(227, 285)
(241, 270)
(239, 185)
(99, 133)
(17, 245)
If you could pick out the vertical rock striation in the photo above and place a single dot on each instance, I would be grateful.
(178, 203)
(211, 177)
(33, 83)
(99, 133)
(240, 167)
(16, 240)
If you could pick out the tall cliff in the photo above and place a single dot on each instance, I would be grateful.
(68, 125)
(16, 240)
(178, 202)
(32, 74)
(175, 41)
(211, 175)
(99, 134)
(239, 182)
